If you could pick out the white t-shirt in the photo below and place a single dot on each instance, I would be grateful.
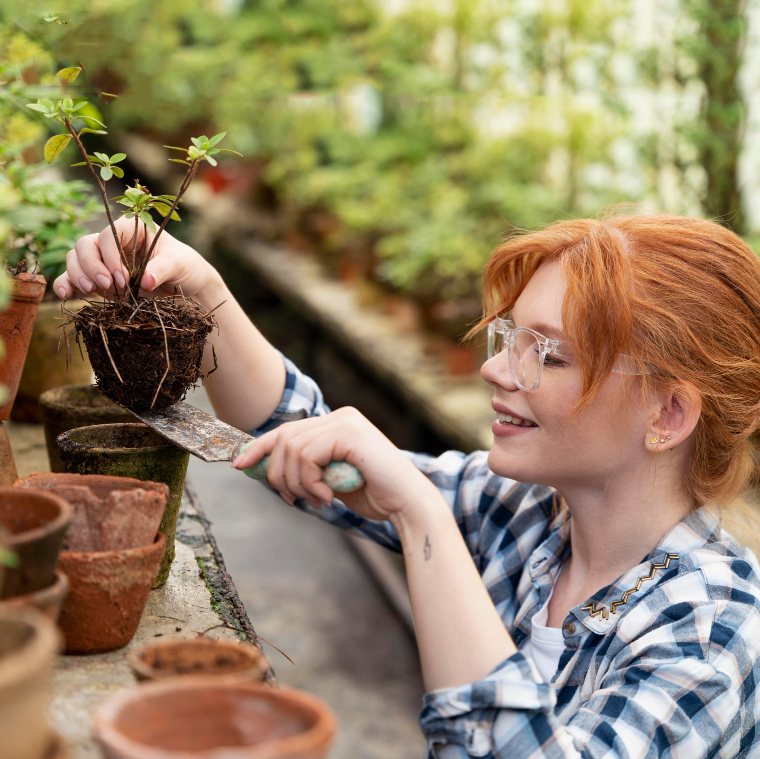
(545, 644)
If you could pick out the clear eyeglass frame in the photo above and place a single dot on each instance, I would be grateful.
(502, 334)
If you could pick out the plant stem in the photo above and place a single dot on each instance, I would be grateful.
(102, 188)
(146, 257)
(134, 245)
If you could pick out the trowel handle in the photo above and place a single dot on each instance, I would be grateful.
(339, 476)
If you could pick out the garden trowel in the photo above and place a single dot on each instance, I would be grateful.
(210, 439)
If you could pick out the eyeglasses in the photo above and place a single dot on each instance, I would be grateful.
(528, 350)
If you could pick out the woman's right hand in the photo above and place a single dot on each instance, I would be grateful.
(95, 264)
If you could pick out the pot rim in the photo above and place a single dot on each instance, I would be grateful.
(123, 485)
(322, 731)
(259, 664)
(64, 517)
(63, 404)
(159, 540)
(101, 450)
(60, 586)
(35, 653)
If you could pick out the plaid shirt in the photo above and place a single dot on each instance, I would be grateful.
(663, 662)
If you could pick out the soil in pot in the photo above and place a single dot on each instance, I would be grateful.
(145, 354)
(50, 362)
(196, 715)
(36, 523)
(131, 450)
(16, 323)
(107, 595)
(109, 513)
(28, 646)
(197, 656)
(71, 406)
(48, 600)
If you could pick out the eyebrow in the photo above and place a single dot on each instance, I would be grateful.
(548, 331)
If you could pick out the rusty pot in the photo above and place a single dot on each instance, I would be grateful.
(72, 406)
(109, 590)
(196, 718)
(50, 362)
(170, 657)
(16, 324)
(36, 523)
(28, 646)
(131, 450)
(109, 513)
(48, 600)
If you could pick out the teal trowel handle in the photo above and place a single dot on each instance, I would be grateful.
(340, 476)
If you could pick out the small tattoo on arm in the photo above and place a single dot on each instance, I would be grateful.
(428, 548)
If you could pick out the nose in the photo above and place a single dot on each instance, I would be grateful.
(495, 371)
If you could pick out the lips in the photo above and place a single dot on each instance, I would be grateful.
(505, 411)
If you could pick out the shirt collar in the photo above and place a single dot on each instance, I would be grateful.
(602, 611)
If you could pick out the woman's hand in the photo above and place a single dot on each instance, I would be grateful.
(94, 264)
(298, 451)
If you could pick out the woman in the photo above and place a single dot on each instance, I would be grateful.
(573, 590)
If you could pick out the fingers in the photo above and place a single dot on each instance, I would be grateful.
(88, 261)
(109, 252)
(63, 287)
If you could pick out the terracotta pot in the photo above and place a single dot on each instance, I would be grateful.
(170, 657)
(108, 593)
(8, 471)
(131, 450)
(36, 522)
(109, 513)
(16, 324)
(28, 646)
(48, 366)
(72, 406)
(48, 600)
(193, 718)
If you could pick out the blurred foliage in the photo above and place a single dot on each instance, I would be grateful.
(41, 214)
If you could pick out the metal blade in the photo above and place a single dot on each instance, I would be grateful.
(195, 431)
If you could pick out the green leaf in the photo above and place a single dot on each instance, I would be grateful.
(79, 105)
(69, 74)
(90, 118)
(103, 157)
(106, 173)
(73, 165)
(224, 150)
(108, 95)
(35, 107)
(171, 147)
(48, 103)
(211, 160)
(196, 142)
(179, 160)
(146, 218)
(67, 104)
(172, 198)
(86, 130)
(216, 138)
(129, 214)
(117, 171)
(55, 145)
(116, 157)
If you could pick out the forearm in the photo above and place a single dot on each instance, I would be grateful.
(248, 384)
(460, 635)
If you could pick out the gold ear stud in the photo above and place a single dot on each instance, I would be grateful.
(654, 440)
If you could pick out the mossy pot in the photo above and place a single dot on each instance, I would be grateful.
(72, 406)
(131, 450)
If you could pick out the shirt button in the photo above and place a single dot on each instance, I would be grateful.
(570, 628)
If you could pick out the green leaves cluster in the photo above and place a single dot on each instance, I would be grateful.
(202, 149)
(106, 164)
(140, 202)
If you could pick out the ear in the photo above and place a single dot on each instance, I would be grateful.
(675, 414)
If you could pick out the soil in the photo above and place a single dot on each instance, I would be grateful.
(128, 341)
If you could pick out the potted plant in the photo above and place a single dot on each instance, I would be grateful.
(146, 353)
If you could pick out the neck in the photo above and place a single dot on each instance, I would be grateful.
(615, 526)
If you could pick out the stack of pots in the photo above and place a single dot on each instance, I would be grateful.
(111, 554)
(34, 525)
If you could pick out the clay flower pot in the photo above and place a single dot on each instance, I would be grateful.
(16, 323)
(196, 718)
(131, 450)
(36, 523)
(109, 590)
(28, 646)
(171, 657)
(66, 408)
(49, 363)
(48, 600)
(109, 513)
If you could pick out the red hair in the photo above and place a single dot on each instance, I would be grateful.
(679, 295)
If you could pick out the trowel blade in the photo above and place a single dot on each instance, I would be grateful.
(195, 431)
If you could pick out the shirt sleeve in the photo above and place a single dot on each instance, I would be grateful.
(678, 690)
(468, 485)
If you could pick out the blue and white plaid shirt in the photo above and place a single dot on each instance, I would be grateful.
(663, 662)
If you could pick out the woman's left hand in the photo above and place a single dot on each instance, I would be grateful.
(299, 450)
